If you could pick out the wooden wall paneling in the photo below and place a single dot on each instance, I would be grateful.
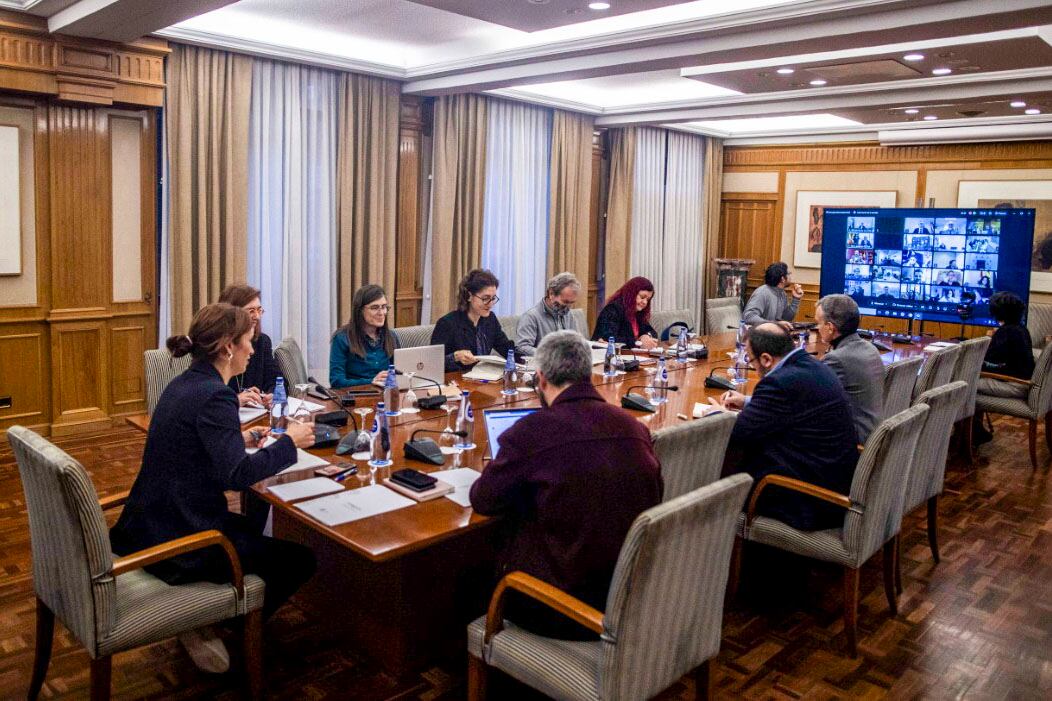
(408, 296)
(80, 377)
(127, 374)
(596, 226)
(750, 227)
(24, 359)
(871, 155)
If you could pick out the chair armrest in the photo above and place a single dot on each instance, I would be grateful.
(1048, 339)
(181, 546)
(797, 486)
(114, 500)
(1005, 378)
(553, 597)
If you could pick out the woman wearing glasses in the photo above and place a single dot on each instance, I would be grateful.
(256, 384)
(362, 350)
(472, 329)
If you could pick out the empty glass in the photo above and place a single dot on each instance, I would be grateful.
(447, 439)
(363, 442)
(409, 402)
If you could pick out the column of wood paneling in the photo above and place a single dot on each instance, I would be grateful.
(408, 285)
(597, 224)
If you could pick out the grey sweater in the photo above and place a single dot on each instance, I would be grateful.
(769, 304)
(536, 323)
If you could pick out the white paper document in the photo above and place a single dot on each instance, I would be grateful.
(304, 460)
(250, 413)
(294, 406)
(305, 488)
(353, 504)
(461, 478)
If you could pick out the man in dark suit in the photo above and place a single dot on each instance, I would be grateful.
(797, 423)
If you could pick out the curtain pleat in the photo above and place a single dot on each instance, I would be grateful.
(648, 208)
(570, 195)
(619, 209)
(711, 212)
(684, 224)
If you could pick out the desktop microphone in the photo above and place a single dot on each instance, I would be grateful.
(425, 449)
(640, 403)
(433, 402)
(332, 417)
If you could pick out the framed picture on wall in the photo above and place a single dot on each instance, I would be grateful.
(811, 204)
(998, 194)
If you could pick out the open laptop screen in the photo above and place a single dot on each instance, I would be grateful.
(500, 420)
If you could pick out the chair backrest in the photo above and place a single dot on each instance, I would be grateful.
(929, 464)
(415, 336)
(69, 538)
(290, 362)
(721, 312)
(899, 380)
(1040, 398)
(878, 489)
(1039, 323)
(580, 321)
(937, 370)
(664, 613)
(691, 454)
(510, 326)
(969, 365)
(161, 368)
(661, 320)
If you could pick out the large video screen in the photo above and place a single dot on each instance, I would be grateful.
(927, 263)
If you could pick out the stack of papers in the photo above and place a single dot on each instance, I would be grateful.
(461, 479)
(354, 504)
(937, 345)
(304, 488)
(250, 413)
(294, 406)
(304, 460)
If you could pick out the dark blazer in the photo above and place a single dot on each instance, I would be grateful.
(798, 423)
(570, 479)
(1010, 352)
(612, 321)
(858, 366)
(456, 332)
(194, 453)
(262, 371)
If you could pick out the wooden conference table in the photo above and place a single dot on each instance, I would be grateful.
(402, 585)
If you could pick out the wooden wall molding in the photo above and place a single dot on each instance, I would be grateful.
(860, 156)
(409, 291)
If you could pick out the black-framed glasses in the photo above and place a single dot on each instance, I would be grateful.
(379, 307)
(487, 299)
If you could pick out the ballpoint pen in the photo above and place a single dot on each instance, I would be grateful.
(352, 470)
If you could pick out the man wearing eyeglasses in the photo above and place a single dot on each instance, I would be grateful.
(551, 314)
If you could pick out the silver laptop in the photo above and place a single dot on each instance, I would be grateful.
(500, 420)
(424, 361)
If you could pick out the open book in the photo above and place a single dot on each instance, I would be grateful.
(490, 368)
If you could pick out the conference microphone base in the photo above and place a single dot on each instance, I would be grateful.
(424, 450)
(637, 402)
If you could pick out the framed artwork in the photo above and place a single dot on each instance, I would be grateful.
(10, 195)
(1019, 193)
(811, 204)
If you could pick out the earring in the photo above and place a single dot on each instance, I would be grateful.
(229, 355)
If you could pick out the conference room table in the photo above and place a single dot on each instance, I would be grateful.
(401, 585)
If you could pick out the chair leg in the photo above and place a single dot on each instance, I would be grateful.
(898, 566)
(478, 678)
(45, 636)
(969, 449)
(253, 641)
(851, 609)
(100, 678)
(891, 549)
(1048, 430)
(1033, 443)
(703, 681)
(933, 527)
(734, 575)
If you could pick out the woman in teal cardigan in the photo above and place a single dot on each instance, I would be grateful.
(362, 350)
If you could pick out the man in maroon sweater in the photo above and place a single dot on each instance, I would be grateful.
(569, 480)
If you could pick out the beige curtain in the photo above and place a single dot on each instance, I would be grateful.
(458, 185)
(619, 209)
(207, 112)
(570, 194)
(713, 195)
(367, 185)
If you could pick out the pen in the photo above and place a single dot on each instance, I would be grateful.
(353, 470)
(683, 416)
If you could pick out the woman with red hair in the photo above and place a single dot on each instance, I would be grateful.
(626, 315)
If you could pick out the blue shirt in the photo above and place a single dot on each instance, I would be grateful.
(346, 368)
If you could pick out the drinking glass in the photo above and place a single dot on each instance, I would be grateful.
(363, 442)
(447, 439)
(299, 393)
(409, 401)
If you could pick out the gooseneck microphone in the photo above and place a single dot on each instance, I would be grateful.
(425, 449)
(638, 402)
(335, 399)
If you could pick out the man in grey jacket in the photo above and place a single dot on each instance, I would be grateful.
(855, 360)
(551, 314)
(776, 300)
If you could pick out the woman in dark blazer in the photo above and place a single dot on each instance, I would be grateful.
(256, 384)
(626, 315)
(195, 451)
(472, 329)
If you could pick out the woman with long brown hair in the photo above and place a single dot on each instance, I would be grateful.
(256, 384)
(363, 348)
(472, 328)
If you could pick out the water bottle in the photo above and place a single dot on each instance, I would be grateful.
(681, 344)
(380, 439)
(509, 375)
(391, 398)
(661, 383)
(608, 359)
(279, 408)
(465, 423)
(739, 341)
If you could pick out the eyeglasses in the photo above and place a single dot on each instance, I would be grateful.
(487, 300)
(379, 307)
(255, 311)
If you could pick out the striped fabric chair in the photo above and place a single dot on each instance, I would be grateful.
(510, 325)
(1036, 405)
(873, 513)
(969, 365)
(161, 368)
(663, 615)
(899, 379)
(290, 362)
(691, 454)
(414, 336)
(721, 313)
(111, 604)
(580, 321)
(937, 370)
(661, 320)
(1039, 323)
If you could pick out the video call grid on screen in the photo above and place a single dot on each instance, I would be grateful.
(917, 263)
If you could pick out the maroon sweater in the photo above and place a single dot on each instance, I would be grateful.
(570, 479)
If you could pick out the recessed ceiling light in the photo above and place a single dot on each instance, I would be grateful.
(817, 82)
(598, 6)
(912, 110)
(1033, 110)
(930, 117)
(785, 71)
(913, 57)
(942, 71)
(1017, 103)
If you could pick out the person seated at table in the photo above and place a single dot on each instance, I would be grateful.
(256, 384)
(363, 348)
(568, 480)
(797, 423)
(550, 314)
(855, 361)
(472, 329)
(770, 301)
(1010, 353)
(626, 316)
(194, 453)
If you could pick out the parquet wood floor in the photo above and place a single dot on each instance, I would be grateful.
(978, 625)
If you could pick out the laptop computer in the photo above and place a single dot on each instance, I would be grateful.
(500, 420)
(423, 361)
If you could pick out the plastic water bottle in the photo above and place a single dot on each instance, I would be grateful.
(739, 341)
(681, 345)
(608, 359)
(391, 399)
(380, 439)
(465, 423)
(279, 408)
(661, 383)
(509, 375)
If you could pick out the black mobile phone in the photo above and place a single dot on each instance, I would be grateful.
(413, 479)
